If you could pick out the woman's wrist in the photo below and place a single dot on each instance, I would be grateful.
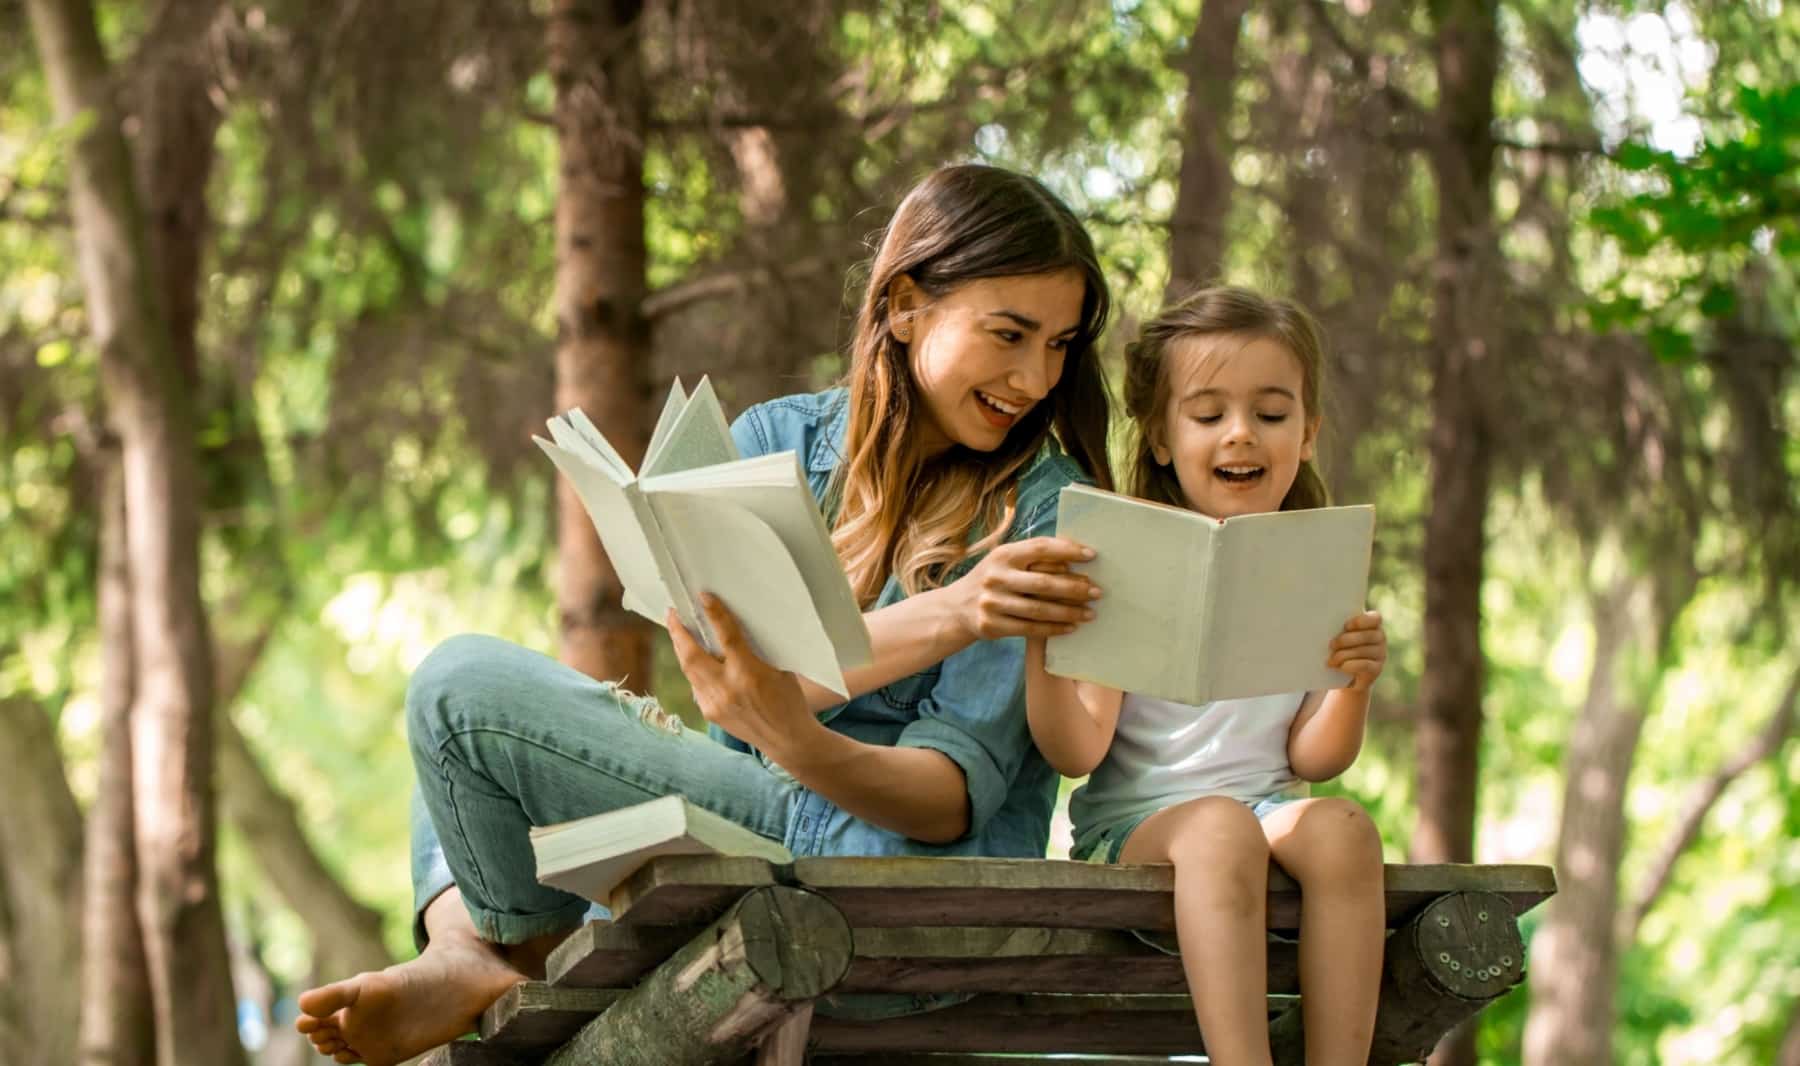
(801, 749)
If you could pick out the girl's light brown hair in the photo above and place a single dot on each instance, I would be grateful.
(899, 514)
(1216, 312)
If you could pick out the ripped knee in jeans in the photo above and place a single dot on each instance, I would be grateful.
(646, 709)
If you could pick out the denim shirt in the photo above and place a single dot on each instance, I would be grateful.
(971, 706)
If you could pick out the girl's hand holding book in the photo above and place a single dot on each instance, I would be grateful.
(1025, 589)
(1360, 650)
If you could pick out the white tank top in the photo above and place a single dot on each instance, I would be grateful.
(1164, 753)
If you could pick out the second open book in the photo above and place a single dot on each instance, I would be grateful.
(696, 518)
(1196, 609)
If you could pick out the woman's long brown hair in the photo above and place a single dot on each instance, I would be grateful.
(899, 514)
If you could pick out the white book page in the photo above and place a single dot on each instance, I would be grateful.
(671, 409)
(699, 436)
(722, 548)
(1286, 583)
(1150, 564)
(773, 487)
(626, 542)
(575, 433)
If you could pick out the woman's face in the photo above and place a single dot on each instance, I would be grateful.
(985, 353)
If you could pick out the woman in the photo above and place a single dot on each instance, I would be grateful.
(974, 397)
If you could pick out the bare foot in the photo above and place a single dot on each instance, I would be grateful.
(384, 1017)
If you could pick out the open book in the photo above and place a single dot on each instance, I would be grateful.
(1197, 609)
(696, 519)
(590, 856)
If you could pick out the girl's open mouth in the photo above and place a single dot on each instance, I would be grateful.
(1238, 475)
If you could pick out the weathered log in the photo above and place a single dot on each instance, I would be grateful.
(1456, 956)
(785, 1044)
(770, 956)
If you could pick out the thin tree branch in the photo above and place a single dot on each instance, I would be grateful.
(1362, 62)
(1699, 803)
(673, 298)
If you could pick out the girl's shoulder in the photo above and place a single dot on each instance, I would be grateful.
(811, 424)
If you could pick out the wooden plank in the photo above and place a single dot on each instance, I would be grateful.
(475, 1053)
(664, 893)
(916, 891)
(1033, 1024)
(946, 959)
(535, 1015)
(607, 955)
(983, 959)
(998, 1059)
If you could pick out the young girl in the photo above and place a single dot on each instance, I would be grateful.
(973, 398)
(1224, 390)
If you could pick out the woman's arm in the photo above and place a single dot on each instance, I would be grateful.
(1327, 734)
(1001, 597)
(1072, 722)
(917, 792)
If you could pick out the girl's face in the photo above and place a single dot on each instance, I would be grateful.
(1234, 426)
(985, 353)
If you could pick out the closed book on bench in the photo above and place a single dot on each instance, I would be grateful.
(1196, 609)
(590, 856)
(695, 518)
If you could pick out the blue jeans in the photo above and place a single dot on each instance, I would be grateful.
(504, 739)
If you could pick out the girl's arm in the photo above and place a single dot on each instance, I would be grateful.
(1001, 597)
(1327, 734)
(1072, 722)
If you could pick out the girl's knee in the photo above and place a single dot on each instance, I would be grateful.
(1217, 829)
(1340, 839)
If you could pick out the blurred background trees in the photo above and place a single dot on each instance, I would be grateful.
(285, 288)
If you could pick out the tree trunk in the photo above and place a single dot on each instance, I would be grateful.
(603, 339)
(1449, 733)
(118, 1027)
(1573, 956)
(142, 380)
(1789, 1053)
(346, 933)
(41, 840)
(1203, 195)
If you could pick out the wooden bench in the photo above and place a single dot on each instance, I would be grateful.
(715, 960)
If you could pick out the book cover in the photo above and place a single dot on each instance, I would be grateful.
(590, 856)
(1197, 609)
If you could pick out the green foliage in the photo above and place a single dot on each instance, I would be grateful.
(1736, 199)
(377, 344)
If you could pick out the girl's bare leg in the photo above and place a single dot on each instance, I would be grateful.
(1221, 860)
(1332, 848)
(386, 1016)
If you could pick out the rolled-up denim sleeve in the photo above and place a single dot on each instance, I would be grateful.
(430, 873)
(975, 714)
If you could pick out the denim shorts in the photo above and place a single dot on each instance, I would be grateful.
(1106, 843)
